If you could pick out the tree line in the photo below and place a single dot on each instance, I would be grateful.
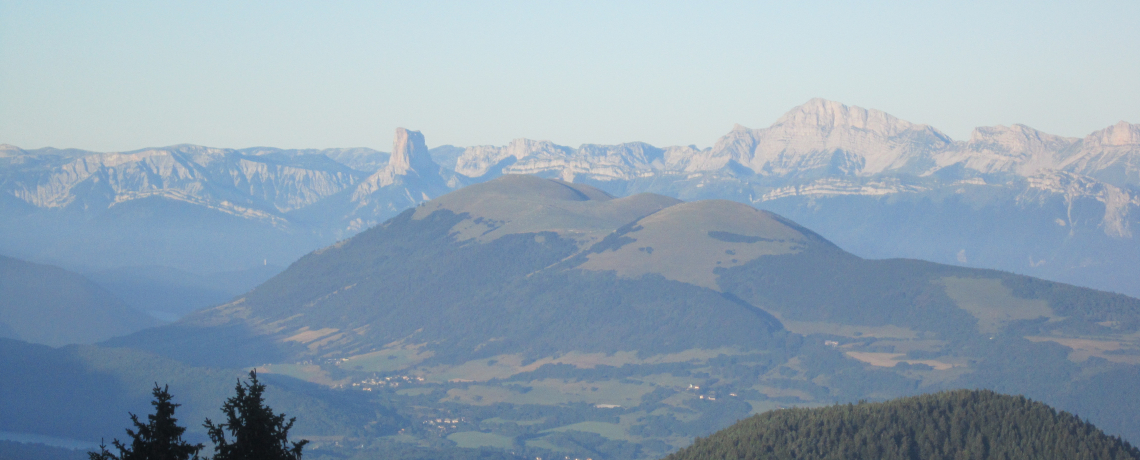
(252, 431)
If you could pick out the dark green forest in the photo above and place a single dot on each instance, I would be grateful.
(951, 425)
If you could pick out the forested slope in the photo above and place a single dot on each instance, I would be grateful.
(958, 424)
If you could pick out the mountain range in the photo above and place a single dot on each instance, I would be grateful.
(1011, 197)
(534, 317)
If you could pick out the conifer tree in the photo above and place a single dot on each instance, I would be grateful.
(256, 432)
(159, 439)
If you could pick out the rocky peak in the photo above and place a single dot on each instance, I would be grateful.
(1017, 139)
(824, 136)
(7, 150)
(827, 115)
(1119, 134)
(411, 166)
(1015, 149)
(1111, 155)
(409, 152)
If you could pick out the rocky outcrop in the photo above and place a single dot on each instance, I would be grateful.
(839, 140)
(819, 138)
(8, 150)
(827, 139)
(1120, 205)
(485, 160)
(409, 157)
(220, 179)
(1111, 154)
(410, 178)
(1016, 149)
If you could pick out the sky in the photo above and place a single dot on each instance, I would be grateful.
(117, 76)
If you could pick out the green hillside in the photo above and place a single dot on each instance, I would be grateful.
(950, 425)
(52, 306)
(558, 320)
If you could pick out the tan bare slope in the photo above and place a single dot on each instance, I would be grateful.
(526, 204)
(687, 242)
(681, 241)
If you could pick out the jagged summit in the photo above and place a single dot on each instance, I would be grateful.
(410, 164)
(824, 137)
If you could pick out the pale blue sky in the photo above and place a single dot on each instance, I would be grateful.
(125, 75)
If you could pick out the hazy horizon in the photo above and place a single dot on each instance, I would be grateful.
(123, 76)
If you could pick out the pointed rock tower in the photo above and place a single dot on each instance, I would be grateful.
(410, 153)
(410, 158)
(410, 178)
(1111, 155)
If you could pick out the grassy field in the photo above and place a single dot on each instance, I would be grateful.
(992, 303)
(307, 372)
(469, 439)
(505, 366)
(544, 444)
(892, 359)
(1083, 349)
(553, 391)
(497, 420)
(392, 357)
(606, 430)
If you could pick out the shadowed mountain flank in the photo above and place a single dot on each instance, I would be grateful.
(49, 305)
